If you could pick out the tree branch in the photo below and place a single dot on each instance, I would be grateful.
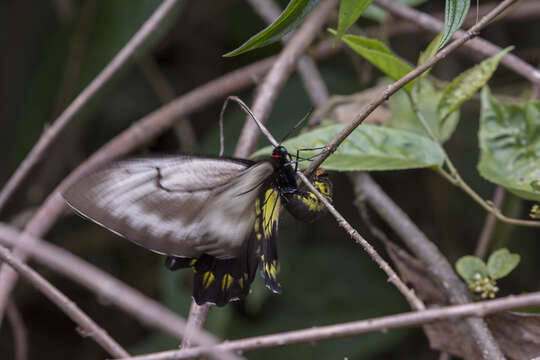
(90, 328)
(384, 323)
(20, 333)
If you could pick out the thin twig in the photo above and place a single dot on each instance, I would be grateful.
(90, 328)
(148, 311)
(20, 334)
(139, 133)
(436, 264)
(415, 303)
(394, 87)
(479, 45)
(276, 77)
(51, 133)
(384, 323)
(196, 319)
(489, 223)
(310, 75)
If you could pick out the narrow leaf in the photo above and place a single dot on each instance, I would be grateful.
(380, 56)
(290, 18)
(375, 13)
(463, 87)
(501, 263)
(510, 145)
(349, 12)
(367, 148)
(470, 268)
(454, 15)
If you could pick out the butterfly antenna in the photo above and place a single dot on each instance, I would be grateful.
(298, 124)
(248, 111)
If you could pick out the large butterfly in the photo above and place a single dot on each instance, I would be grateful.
(218, 216)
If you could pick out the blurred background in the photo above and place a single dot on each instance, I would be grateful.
(52, 49)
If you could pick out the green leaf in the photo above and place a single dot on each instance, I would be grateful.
(463, 87)
(367, 148)
(349, 12)
(290, 18)
(501, 263)
(431, 50)
(427, 99)
(510, 145)
(379, 55)
(468, 267)
(454, 15)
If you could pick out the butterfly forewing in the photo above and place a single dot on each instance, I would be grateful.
(180, 205)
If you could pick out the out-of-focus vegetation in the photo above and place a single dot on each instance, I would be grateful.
(49, 55)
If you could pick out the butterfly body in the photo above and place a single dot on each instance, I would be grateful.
(218, 216)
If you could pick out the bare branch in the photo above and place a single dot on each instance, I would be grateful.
(90, 328)
(392, 276)
(196, 319)
(384, 323)
(20, 334)
(51, 133)
(394, 87)
(144, 309)
(273, 82)
(489, 223)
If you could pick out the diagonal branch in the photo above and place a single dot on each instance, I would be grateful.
(90, 328)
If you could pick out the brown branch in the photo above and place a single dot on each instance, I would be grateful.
(105, 286)
(411, 298)
(276, 77)
(436, 264)
(479, 45)
(139, 133)
(20, 334)
(384, 323)
(90, 328)
(489, 223)
(196, 319)
(394, 87)
(51, 133)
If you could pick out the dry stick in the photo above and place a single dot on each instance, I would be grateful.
(489, 223)
(415, 302)
(437, 266)
(311, 77)
(106, 287)
(88, 325)
(480, 45)
(139, 133)
(20, 334)
(51, 133)
(278, 74)
(394, 87)
(384, 323)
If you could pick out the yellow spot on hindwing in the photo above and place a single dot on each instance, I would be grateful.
(208, 278)
(270, 211)
(271, 269)
(192, 262)
(226, 281)
(241, 282)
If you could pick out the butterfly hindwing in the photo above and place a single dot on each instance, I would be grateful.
(304, 205)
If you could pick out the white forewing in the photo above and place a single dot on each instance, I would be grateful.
(178, 205)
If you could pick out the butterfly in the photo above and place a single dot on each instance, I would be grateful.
(218, 216)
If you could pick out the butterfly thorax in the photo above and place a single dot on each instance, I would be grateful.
(286, 178)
